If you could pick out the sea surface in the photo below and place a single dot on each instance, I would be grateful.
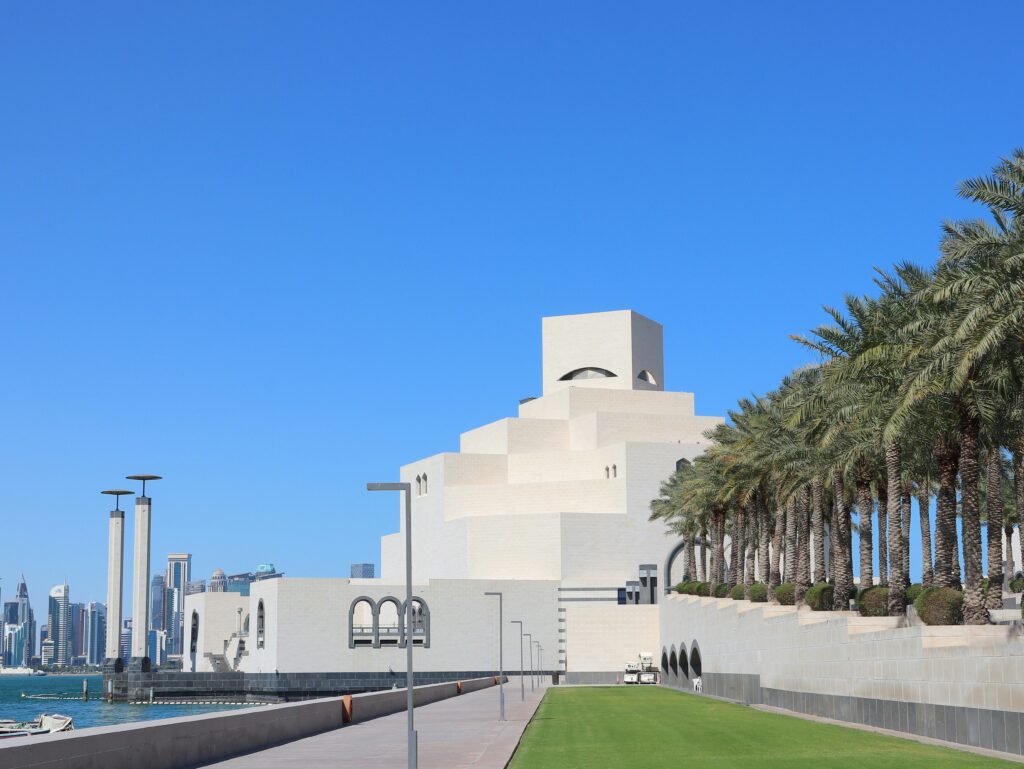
(95, 712)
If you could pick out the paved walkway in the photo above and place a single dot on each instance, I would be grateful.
(459, 732)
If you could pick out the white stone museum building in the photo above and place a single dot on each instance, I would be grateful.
(549, 507)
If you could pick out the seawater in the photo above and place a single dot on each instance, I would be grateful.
(95, 712)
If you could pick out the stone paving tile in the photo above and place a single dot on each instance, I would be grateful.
(459, 732)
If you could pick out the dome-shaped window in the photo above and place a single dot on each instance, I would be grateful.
(589, 372)
(647, 376)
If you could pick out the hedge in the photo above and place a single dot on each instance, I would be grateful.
(785, 593)
(873, 602)
(737, 593)
(759, 592)
(702, 588)
(913, 592)
(721, 590)
(819, 597)
(940, 606)
(1016, 585)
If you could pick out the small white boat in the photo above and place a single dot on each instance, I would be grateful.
(47, 723)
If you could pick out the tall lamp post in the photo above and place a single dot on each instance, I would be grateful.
(530, 644)
(407, 489)
(501, 658)
(540, 663)
(140, 595)
(522, 684)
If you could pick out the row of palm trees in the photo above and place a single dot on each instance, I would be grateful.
(918, 392)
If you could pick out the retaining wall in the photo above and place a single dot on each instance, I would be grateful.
(176, 743)
(960, 684)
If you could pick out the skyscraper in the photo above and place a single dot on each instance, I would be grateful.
(362, 570)
(95, 633)
(21, 628)
(59, 626)
(77, 633)
(158, 603)
(195, 586)
(179, 572)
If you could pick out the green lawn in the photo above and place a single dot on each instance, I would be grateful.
(649, 727)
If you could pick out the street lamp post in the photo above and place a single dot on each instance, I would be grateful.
(406, 488)
(522, 684)
(501, 657)
(530, 645)
(540, 663)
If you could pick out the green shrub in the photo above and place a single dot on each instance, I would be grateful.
(702, 588)
(913, 592)
(721, 590)
(759, 592)
(785, 593)
(873, 602)
(681, 587)
(940, 606)
(819, 597)
(1016, 585)
(737, 593)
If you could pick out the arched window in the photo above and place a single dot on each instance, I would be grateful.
(681, 463)
(424, 483)
(607, 472)
(261, 625)
(695, 660)
(362, 619)
(647, 376)
(419, 485)
(684, 667)
(420, 630)
(194, 636)
(245, 625)
(664, 660)
(673, 661)
(390, 625)
(589, 372)
(615, 471)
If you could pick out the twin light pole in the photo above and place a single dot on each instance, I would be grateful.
(406, 488)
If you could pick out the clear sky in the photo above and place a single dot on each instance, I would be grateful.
(272, 251)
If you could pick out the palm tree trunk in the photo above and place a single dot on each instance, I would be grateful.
(818, 527)
(994, 525)
(897, 585)
(687, 555)
(883, 539)
(791, 542)
(738, 547)
(923, 501)
(764, 539)
(803, 561)
(865, 509)
(704, 574)
(947, 458)
(720, 547)
(843, 583)
(905, 496)
(775, 578)
(974, 600)
(750, 546)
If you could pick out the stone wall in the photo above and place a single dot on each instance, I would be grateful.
(177, 743)
(267, 687)
(960, 684)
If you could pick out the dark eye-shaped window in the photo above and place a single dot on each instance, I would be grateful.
(647, 376)
(590, 372)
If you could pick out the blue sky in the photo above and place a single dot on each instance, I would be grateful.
(273, 251)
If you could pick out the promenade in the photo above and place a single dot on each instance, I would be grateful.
(458, 732)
